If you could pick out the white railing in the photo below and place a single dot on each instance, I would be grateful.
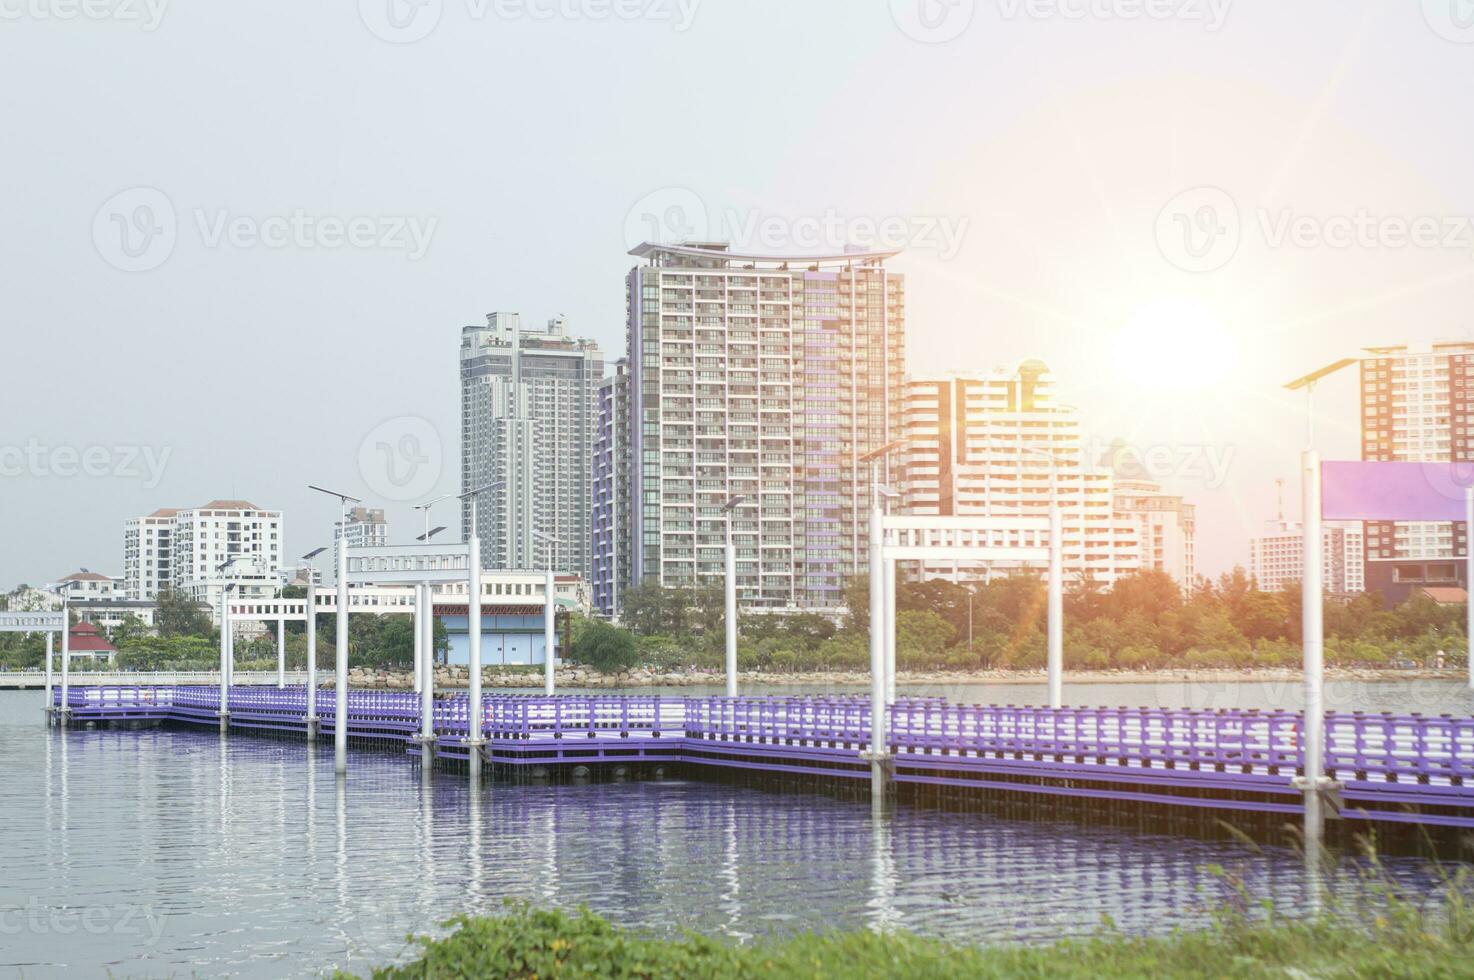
(36, 679)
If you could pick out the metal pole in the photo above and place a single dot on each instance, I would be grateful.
(1056, 606)
(66, 661)
(340, 676)
(50, 652)
(550, 616)
(311, 656)
(877, 655)
(427, 686)
(1469, 580)
(473, 636)
(281, 652)
(1312, 600)
(224, 661)
(419, 666)
(890, 632)
(731, 590)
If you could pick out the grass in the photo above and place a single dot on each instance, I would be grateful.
(1384, 935)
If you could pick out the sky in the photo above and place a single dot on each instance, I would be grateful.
(238, 243)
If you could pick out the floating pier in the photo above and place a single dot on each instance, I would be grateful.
(1391, 769)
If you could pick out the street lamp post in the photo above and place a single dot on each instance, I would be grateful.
(1055, 589)
(1314, 783)
(227, 654)
(550, 613)
(729, 556)
(474, 741)
(65, 707)
(312, 719)
(340, 673)
(424, 639)
(879, 752)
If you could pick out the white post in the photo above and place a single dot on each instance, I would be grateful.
(66, 662)
(550, 618)
(1056, 606)
(890, 632)
(419, 614)
(877, 655)
(731, 605)
(1469, 581)
(340, 677)
(473, 637)
(1311, 602)
(427, 686)
(311, 656)
(224, 661)
(50, 652)
(281, 652)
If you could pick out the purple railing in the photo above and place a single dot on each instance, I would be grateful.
(1385, 758)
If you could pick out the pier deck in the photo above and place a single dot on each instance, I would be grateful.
(1393, 768)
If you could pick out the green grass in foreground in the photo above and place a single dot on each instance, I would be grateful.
(1398, 940)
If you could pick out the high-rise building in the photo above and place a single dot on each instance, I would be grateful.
(1417, 404)
(236, 534)
(998, 445)
(147, 550)
(365, 528)
(611, 545)
(764, 377)
(1166, 528)
(1277, 557)
(528, 419)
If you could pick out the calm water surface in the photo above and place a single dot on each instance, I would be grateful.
(157, 853)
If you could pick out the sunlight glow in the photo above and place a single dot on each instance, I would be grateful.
(1174, 343)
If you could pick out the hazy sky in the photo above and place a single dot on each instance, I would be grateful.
(238, 242)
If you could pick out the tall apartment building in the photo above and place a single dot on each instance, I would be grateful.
(1166, 528)
(998, 445)
(147, 554)
(236, 532)
(611, 550)
(766, 377)
(365, 528)
(528, 420)
(1277, 557)
(1417, 404)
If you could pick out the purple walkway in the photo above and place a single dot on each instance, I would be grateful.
(1405, 768)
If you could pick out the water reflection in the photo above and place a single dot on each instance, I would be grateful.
(225, 844)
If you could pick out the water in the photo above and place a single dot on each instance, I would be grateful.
(151, 853)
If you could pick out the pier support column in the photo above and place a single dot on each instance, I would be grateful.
(224, 712)
(1056, 604)
(426, 626)
(890, 631)
(473, 636)
(550, 644)
(313, 725)
(878, 756)
(419, 615)
(1314, 782)
(281, 654)
(64, 710)
(340, 673)
(50, 652)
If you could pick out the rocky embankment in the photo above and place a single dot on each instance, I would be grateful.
(585, 677)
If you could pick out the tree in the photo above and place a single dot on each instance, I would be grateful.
(179, 615)
(605, 647)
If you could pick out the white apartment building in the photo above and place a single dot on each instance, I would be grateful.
(528, 422)
(1166, 528)
(147, 554)
(611, 559)
(365, 528)
(91, 586)
(236, 534)
(764, 377)
(998, 445)
(1277, 557)
(1417, 405)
